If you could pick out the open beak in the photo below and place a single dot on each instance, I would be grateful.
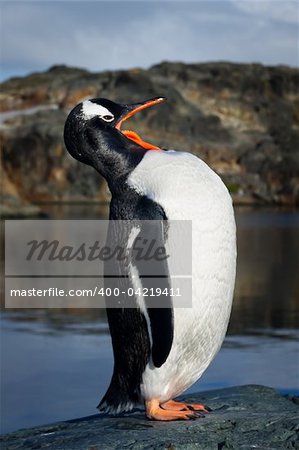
(131, 110)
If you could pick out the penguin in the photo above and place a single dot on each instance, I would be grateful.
(159, 352)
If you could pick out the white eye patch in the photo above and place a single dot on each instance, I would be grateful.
(90, 109)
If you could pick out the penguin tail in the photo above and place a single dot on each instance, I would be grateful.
(115, 408)
(117, 400)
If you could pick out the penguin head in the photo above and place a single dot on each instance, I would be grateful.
(93, 135)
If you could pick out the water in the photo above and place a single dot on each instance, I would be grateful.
(56, 364)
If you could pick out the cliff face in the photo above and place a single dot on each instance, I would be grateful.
(243, 120)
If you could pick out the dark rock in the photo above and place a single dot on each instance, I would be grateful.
(244, 417)
(37, 164)
(242, 119)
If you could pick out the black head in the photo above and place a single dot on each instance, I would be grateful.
(93, 135)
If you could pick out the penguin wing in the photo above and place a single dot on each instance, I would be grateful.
(154, 278)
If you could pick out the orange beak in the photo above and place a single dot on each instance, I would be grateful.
(131, 110)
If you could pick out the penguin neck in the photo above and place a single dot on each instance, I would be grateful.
(118, 158)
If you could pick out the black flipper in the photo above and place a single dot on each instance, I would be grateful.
(128, 325)
(154, 276)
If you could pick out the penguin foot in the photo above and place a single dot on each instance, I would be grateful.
(172, 405)
(198, 407)
(156, 412)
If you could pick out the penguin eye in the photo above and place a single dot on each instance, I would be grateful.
(108, 118)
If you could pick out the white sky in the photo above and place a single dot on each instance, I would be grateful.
(102, 35)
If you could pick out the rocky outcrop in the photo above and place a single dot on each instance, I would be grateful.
(244, 417)
(241, 119)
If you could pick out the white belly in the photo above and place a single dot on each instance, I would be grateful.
(188, 189)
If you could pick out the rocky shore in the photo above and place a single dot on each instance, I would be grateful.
(242, 418)
(242, 119)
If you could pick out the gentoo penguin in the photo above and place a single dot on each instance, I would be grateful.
(159, 353)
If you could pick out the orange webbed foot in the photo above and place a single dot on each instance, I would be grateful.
(169, 411)
(172, 405)
(180, 406)
(198, 407)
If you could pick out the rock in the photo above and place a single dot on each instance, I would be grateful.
(12, 205)
(37, 165)
(244, 417)
(242, 119)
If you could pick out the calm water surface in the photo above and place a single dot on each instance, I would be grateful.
(56, 364)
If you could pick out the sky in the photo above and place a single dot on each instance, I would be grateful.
(101, 35)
